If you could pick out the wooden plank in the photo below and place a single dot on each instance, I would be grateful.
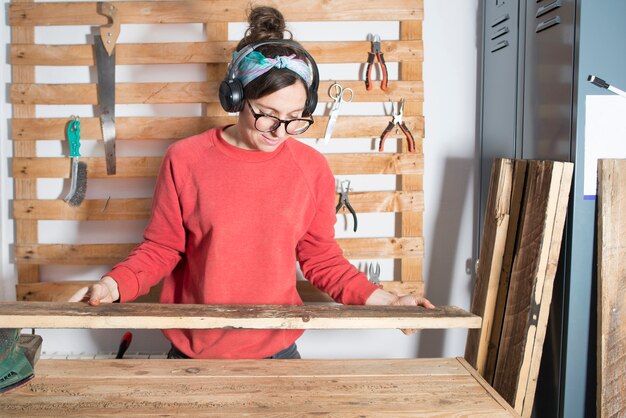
(140, 208)
(494, 234)
(97, 254)
(170, 316)
(149, 128)
(611, 356)
(62, 291)
(410, 221)
(26, 230)
(388, 387)
(132, 167)
(215, 52)
(547, 272)
(490, 390)
(48, 291)
(510, 248)
(185, 92)
(530, 291)
(202, 11)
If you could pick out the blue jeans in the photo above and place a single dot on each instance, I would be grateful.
(290, 352)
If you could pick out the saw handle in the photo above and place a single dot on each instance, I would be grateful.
(109, 33)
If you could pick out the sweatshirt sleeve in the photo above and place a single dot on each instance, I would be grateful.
(164, 239)
(321, 259)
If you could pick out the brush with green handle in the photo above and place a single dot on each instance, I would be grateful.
(78, 175)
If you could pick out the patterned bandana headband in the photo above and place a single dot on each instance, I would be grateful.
(256, 64)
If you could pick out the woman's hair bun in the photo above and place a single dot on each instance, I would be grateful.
(265, 23)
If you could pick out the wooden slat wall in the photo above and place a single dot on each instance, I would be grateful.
(405, 246)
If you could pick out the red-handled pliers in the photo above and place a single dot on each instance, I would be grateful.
(376, 53)
(397, 121)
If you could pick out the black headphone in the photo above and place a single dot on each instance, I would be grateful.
(231, 89)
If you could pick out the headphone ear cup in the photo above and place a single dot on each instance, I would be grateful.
(231, 95)
(311, 103)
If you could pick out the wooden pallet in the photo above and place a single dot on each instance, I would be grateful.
(404, 245)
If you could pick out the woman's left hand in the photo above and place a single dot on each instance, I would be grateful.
(410, 300)
(381, 297)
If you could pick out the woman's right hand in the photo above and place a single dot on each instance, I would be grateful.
(104, 291)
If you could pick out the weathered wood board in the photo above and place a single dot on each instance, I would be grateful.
(277, 388)
(167, 316)
(530, 291)
(611, 362)
(494, 237)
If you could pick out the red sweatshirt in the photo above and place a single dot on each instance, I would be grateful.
(227, 227)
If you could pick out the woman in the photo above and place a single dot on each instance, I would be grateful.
(236, 207)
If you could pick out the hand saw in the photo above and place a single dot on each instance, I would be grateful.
(105, 66)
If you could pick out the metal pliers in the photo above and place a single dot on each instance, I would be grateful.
(344, 201)
(376, 54)
(397, 121)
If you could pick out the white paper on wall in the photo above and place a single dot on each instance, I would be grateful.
(605, 136)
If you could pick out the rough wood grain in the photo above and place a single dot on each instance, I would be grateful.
(218, 52)
(132, 167)
(410, 222)
(166, 316)
(97, 254)
(392, 388)
(611, 357)
(27, 230)
(185, 92)
(202, 11)
(147, 128)
(140, 208)
(555, 225)
(62, 291)
(530, 291)
(494, 234)
(510, 248)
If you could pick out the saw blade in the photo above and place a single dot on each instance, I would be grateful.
(105, 66)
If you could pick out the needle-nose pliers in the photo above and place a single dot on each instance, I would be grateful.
(344, 201)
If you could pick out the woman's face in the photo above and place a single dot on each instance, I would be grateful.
(287, 103)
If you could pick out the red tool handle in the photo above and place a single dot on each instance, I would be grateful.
(409, 136)
(368, 76)
(383, 70)
(384, 136)
(124, 344)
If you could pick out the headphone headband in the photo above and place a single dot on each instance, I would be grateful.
(231, 89)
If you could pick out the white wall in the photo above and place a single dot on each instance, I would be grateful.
(450, 108)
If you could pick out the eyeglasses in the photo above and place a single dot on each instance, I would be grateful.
(267, 123)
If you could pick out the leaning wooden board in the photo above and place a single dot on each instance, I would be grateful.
(611, 401)
(289, 388)
(167, 316)
(532, 278)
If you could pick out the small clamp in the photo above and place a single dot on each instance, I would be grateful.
(376, 54)
(397, 121)
(344, 201)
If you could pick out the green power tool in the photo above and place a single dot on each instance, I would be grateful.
(15, 369)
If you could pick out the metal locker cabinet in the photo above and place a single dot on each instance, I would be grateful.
(559, 43)
(548, 86)
(500, 77)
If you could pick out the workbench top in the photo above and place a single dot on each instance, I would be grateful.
(398, 387)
